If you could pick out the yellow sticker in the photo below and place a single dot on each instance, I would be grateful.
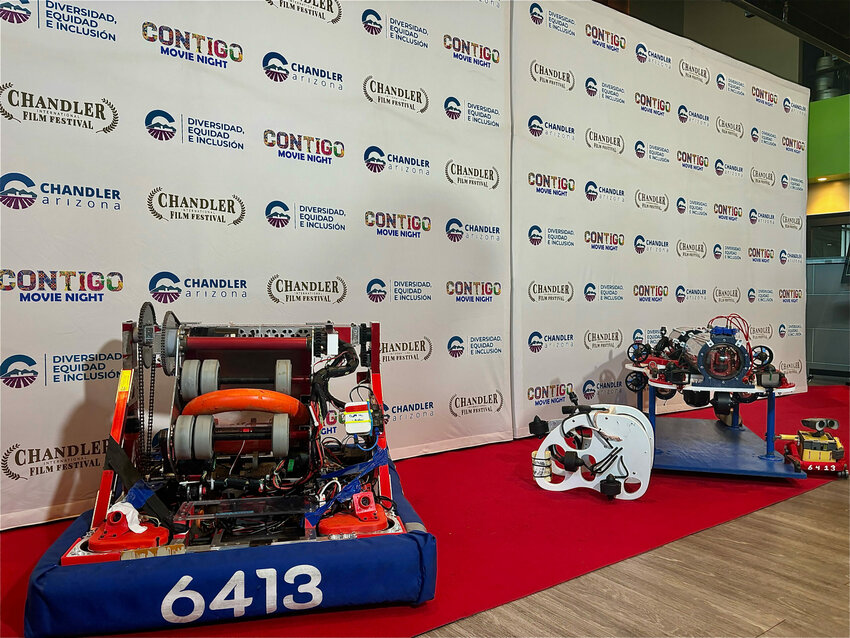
(125, 381)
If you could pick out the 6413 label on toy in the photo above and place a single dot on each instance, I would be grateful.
(184, 605)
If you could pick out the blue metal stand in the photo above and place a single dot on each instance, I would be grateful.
(705, 445)
(770, 436)
(652, 406)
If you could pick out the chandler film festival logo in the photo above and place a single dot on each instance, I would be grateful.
(18, 371)
(165, 206)
(281, 290)
(560, 78)
(329, 11)
(391, 94)
(418, 350)
(51, 460)
(462, 174)
(561, 292)
(466, 405)
(25, 106)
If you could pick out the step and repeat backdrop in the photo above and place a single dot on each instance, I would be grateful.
(283, 161)
(654, 183)
(312, 160)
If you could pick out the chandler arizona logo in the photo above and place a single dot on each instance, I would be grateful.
(325, 10)
(22, 106)
(282, 290)
(18, 371)
(472, 175)
(14, 13)
(166, 206)
(413, 99)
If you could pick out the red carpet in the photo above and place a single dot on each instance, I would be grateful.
(492, 523)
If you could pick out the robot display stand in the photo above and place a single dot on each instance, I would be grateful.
(244, 505)
(714, 366)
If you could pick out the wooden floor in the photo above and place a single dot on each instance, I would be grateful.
(781, 571)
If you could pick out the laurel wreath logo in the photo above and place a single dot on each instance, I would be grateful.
(530, 296)
(241, 214)
(278, 4)
(498, 409)
(448, 177)
(493, 187)
(151, 208)
(5, 464)
(4, 112)
(430, 349)
(427, 102)
(530, 72)
(344, 290)
(269, 289)
(110, 127)
(365, 92)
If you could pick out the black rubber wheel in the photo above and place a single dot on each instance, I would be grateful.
(696, 398)
(665, 393)
(745, 397)
(636, 381)
(638, 352)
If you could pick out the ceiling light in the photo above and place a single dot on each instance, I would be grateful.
(821, 179)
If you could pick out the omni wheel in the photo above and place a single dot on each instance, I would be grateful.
(636, 381)
(638, 352)
(190, 378)
(283, 376)
(280, 435)
(763, 355)
(209, 376)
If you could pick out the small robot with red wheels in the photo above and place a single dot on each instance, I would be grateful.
(816, 450)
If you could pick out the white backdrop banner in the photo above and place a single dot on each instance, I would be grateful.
(280, 161)
(298, 160)
(655, 183)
